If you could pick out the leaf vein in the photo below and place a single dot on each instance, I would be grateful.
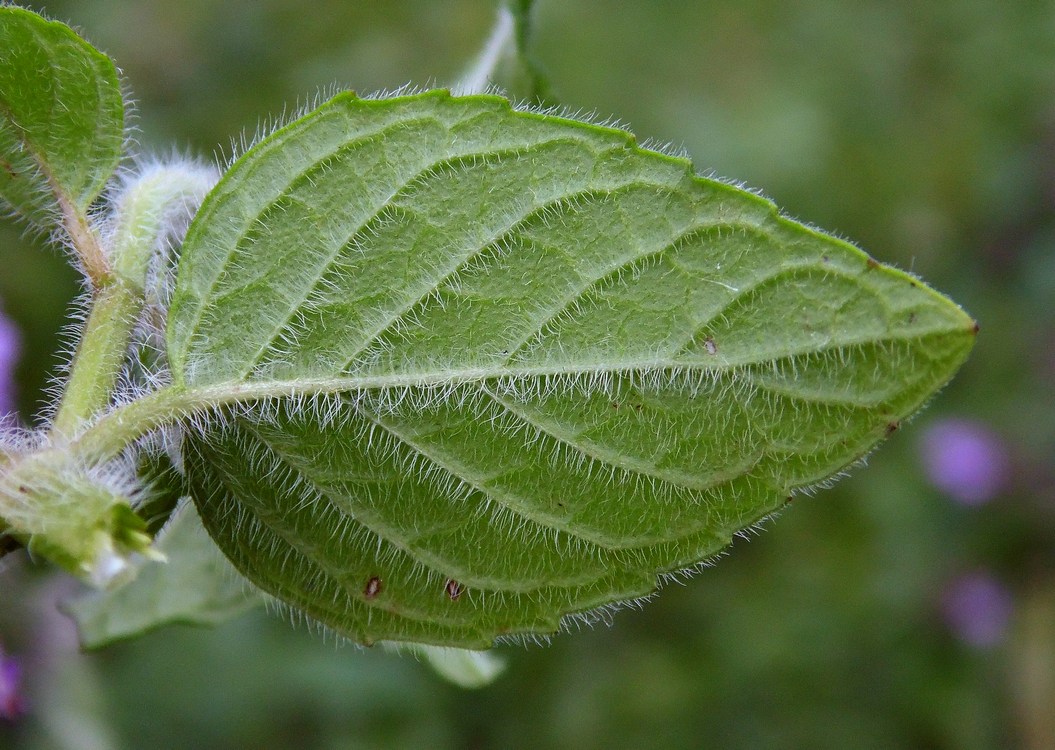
(376, 211)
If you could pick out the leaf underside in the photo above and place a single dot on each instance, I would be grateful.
(61, 117)
(520, 367)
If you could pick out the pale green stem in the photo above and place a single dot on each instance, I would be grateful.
(50, 500)
(123, 426)
(113, 432)
(105, 438)
(143, 212)
(100, 356)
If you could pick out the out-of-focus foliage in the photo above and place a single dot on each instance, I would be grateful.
(55, 155)
(924, 131)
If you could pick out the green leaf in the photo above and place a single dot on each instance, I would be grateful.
(196, 586)
(167, 488)
(61, 119)
(513, 367)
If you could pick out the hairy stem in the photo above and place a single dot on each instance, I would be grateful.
(154, 206)
(85, 242)
(100, 356)
(121, 427)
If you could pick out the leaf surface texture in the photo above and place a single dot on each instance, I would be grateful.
(514, 367)
(61, 117)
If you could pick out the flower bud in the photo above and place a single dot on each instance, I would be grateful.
(78, 517)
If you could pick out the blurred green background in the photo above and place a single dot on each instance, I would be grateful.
(887, 612)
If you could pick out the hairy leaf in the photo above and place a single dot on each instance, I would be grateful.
(61, 118)
(514, 367)
(195, 586)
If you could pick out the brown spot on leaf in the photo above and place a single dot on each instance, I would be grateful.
(373, 588)
(892, 427)
(975, 328)
(453, 589)
(872, 263)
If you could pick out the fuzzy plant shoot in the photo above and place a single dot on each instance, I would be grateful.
(429, 367)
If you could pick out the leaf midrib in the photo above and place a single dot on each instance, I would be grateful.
(248, 390)
(107, 437)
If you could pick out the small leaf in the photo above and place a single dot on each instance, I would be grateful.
(506, 61)
(196, 586)
(61, 118)
(514, 367)
(467, 669)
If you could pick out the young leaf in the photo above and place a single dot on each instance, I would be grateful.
(61, 120)
(514, 367)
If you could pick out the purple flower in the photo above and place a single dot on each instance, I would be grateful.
(966, 460)
(10, 345)
(11, 702)
(977, 608)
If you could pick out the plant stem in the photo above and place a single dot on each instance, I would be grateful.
(145, 211)
(121, 427)
(100, 356)
(85, 242)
